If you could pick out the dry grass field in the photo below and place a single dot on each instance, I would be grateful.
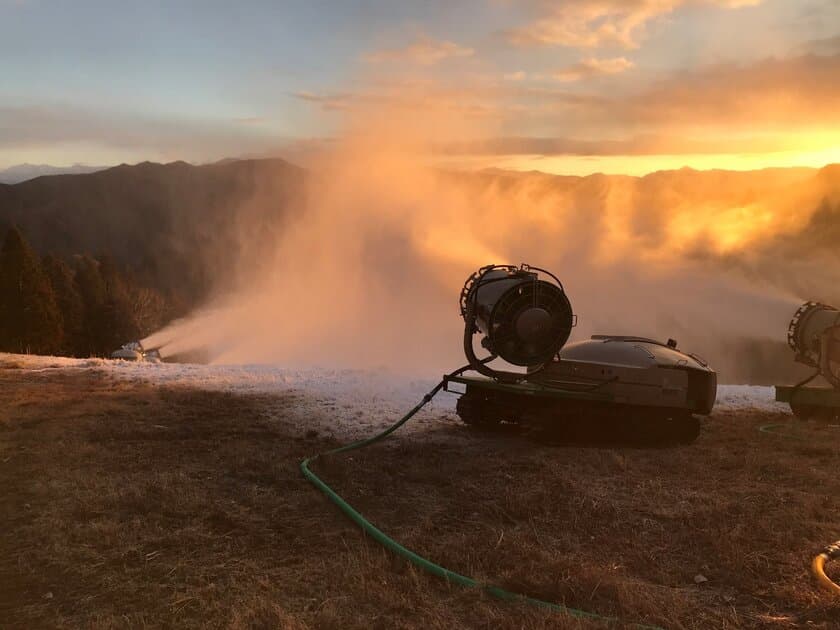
(127, 505)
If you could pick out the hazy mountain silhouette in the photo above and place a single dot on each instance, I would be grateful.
(23, 172)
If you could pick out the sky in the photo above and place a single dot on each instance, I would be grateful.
(575, 86)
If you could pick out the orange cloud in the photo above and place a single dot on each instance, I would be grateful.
(799, 91)
(593, 67)
(787, 108)
(596, 23)
(771, 96)
(424, 52)
(636, 145)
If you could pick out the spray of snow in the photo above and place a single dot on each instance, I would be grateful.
(367, 273)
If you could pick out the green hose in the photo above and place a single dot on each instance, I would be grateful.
(773, 430)
(416, 559)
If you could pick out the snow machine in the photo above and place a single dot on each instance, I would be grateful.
(814, 336)
(607, 388)
(134, 351)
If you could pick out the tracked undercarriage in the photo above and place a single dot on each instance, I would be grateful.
(578, 421)
(607, 389)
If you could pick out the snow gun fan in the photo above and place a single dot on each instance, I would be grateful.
(814, 335)
(525, 319)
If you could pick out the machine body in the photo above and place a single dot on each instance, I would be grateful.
(640, 371)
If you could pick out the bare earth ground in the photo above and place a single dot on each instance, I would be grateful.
(126, 504)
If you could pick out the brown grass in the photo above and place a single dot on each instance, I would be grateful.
(129, 505)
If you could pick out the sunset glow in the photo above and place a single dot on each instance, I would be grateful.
(644, 164)
(574, 87)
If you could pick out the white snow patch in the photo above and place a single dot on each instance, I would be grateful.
(748, 397)
(344, 401)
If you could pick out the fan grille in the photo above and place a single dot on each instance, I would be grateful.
(508, 342)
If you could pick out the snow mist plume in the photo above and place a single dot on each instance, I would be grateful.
(368, 272)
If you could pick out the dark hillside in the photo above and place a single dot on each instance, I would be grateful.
(157, 218)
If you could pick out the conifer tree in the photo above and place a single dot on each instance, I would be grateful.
(63, 281)
(30, 321)
(119, 321)
(92, 292)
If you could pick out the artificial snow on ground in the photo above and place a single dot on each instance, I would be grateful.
(346, 401)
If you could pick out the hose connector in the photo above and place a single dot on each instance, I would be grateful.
(832, 551)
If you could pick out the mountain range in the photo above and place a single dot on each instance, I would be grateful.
(23, 172)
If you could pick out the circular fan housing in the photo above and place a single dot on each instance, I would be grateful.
(807, 327)
(814, 335)
(529, 322)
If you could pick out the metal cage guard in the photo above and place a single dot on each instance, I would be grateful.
(467, 301)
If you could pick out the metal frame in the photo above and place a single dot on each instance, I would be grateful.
(471, 286)
(526, 388)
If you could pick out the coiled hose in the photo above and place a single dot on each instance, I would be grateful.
(416, 559)
(832, 552)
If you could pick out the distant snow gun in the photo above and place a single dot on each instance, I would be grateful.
(134, 351)
(814, 337)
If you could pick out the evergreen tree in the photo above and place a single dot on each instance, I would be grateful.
(119, 320)
(69, 302)
(91, 288)
(150, 309)
(29, 318)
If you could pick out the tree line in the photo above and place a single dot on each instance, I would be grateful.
(85, 306)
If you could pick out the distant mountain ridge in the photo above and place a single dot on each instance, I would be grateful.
(180, 228)
(24, 172)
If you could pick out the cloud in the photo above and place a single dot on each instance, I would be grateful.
(24, 127)
(424, 52)
(770, 96)
(646, 144)
(250, 120)
(338, 101)
(401, 96)
(592, 67)
(826, 46)
(799, 92)
(597, 23)
(769, 106)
